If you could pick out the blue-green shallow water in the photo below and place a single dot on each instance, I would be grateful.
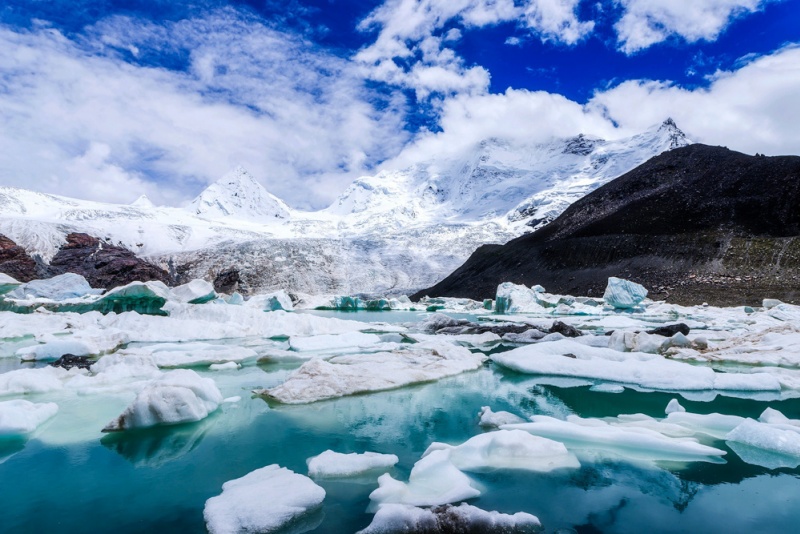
(158, 480)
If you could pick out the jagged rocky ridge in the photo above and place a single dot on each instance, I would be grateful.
(102, 264)
(393, 232)
(695, 224)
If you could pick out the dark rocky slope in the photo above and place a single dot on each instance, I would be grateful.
(17, 263)
(696, 224)
(103, 265)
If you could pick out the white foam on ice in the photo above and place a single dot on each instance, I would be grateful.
(336, 464)
(261, 501)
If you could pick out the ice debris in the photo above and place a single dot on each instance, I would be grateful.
(347, 375)
(20, 417)
(490, 419)
(336, 464)
(180, 396)
(397, 518)
(262, 501)
(194, 292)
(7, 283)
(275, 301)
(623, 294)
(60, 287)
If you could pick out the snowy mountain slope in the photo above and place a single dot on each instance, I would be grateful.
(397, 230)
(239, 196)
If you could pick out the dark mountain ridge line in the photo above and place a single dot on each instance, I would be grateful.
(695, 224)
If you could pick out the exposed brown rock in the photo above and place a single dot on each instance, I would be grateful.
(103, 265)
(227, 281)
(16, 262)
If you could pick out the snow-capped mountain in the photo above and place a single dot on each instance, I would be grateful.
(396, 231)
(238, 195)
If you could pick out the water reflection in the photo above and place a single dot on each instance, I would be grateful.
(156, 446)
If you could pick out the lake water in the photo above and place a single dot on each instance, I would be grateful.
(71, 478)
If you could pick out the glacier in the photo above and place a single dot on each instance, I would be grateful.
(391, 233)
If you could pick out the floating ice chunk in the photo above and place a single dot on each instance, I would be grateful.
(232, 400)
(774, 417)
(514, 298)
(194, 292)
(235, 299)
(20, 417)
(508, 449)
(488, 418)
(713, 424)
(332, 341)
(262, 501)
(572, 359)
(607, 388)
(623, 294)
(347, 375)
(770, 303)
(179, 396)
(89, 341)
(674, 406)
(769, 437)
(142, 297)
(42, 380)
(197, 354)
(473, 340)
(336, 464)
(433, 480)
(7, 283)
(397, 518)
(229, 366)
(596, 434)
(531, 335)
(278, 300)
(61, 287)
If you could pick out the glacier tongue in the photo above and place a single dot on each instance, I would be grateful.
(394, 232)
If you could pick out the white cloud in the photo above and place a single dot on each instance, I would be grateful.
(648, 22)
(752, 109)
(77, 119)
(409, 50)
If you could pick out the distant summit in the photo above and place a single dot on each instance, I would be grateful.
(238, 195)
(143, 202)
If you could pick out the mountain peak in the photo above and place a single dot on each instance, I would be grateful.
(675, 135)
(143, 202)
(238, 195)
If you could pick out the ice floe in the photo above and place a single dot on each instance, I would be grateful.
(262, 501)
(508, 449)
(623, 294)
(347, 375)
(635, 442)
(397, 518)
(572, 359)
(180, 396)
(489, 419)
(336, 464)
(20, 417)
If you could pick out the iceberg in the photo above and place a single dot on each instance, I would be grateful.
(573, 359)
(433, 480)
(168, 355)
(62, 287)
(623, 294)
(278, 300)
(179, 396)
(637, 443)
(508, 449)
(318, 380)
(194, 292)
(7, 283)
(335, 464)
(20, 417)
(403, 518)
(514, 298)
(262, 501)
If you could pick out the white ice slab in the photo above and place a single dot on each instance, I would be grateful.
(336, 464)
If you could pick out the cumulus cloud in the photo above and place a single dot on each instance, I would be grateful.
(90, 117)
(752, 109)
(411, 51)
(648, 22)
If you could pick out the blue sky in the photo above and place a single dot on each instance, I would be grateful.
(110, 99)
